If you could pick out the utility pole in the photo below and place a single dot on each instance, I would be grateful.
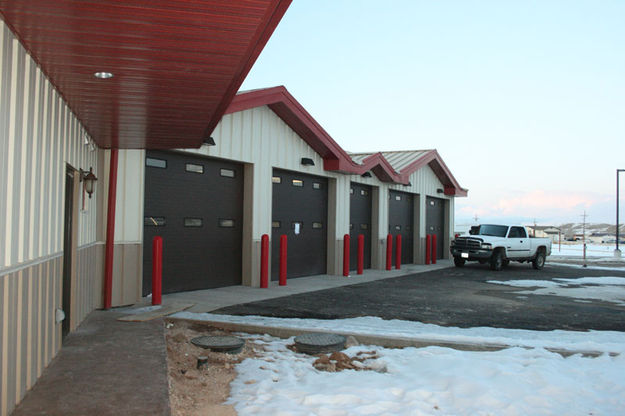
(584, 235)
(617, 252)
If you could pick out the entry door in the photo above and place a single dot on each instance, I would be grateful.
(196, 205)
(435, 223)
(359, 223)
(68, 249)
(299, 211)
(400, 221)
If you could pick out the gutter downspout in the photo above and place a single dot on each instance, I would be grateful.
(110, 231)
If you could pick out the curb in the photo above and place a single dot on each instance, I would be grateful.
(383, 341)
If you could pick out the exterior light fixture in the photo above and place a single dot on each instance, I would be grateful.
(306, 161)
(88, 179)
(366, 175)
(440, 191)
(85, 139)
(103, 75)
(209, 141)
(408, 184)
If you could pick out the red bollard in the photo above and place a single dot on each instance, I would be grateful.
(283, 247)
(346, 255)
(398, 253)
(157, 270)
(361, 253)
(264, 261)
(428, 247)
(389, 251)
(433, 248)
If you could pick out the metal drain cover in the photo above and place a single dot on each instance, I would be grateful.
(228, 344)
(319, 343)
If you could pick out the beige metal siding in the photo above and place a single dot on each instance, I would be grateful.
(38, 135)
(30, 338)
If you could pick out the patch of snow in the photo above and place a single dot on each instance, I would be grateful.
(601, 341)
(605, 288)
(144, 309)
(577, 250)
(429, 381)
(590, 266)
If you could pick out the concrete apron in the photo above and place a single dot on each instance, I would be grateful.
(212, 299)
(381, 340)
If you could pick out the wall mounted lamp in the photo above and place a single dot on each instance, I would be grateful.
(366, 175)
(306, 161)
(88, 179)
(440, 191)
(209, 141)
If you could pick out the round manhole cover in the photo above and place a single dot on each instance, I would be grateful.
(319, 343)
(229, 344)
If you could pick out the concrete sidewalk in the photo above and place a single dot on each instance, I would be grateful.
(213, 299)
(105, 367)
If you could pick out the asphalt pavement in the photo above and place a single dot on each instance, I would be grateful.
(459, 297)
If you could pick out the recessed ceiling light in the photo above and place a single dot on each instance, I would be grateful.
(103, 75)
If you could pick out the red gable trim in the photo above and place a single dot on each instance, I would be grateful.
(281, 102)
(273, 16)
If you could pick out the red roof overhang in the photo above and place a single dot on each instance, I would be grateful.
(281, 102)
(177, 64)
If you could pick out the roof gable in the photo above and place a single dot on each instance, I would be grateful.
(391, 167)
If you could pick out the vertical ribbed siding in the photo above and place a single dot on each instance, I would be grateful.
(30, 337)
(39, 135)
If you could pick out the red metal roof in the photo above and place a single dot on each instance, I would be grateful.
(176, 63)
(281, 102)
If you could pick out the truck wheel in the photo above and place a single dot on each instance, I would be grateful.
(496, 260)
(459, 262)
(539, 261)
(506, 263)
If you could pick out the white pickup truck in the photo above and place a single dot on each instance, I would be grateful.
(498, 245)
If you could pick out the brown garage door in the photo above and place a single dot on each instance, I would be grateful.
(196, 205)
(300, 211)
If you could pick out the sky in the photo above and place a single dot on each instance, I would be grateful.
(524, 100)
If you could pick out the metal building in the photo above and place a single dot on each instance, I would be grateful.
(77, 78)
(81, 92)
(293, 179)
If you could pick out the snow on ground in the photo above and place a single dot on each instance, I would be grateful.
(601, 341)
(592, 250)
(432, 380)
(607, 288)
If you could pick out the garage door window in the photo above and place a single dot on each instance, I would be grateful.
(154, 221)
(364, 192)
(317, 225)
(227, 173)
(226, 223)
(316, 185)
(155, 163)
(297, 182)
(276, 179)
(193, 168)
(276, 224)
(364, 226)
(192, 222)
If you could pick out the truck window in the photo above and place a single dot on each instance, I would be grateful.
(493, 230)
(517, 232)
